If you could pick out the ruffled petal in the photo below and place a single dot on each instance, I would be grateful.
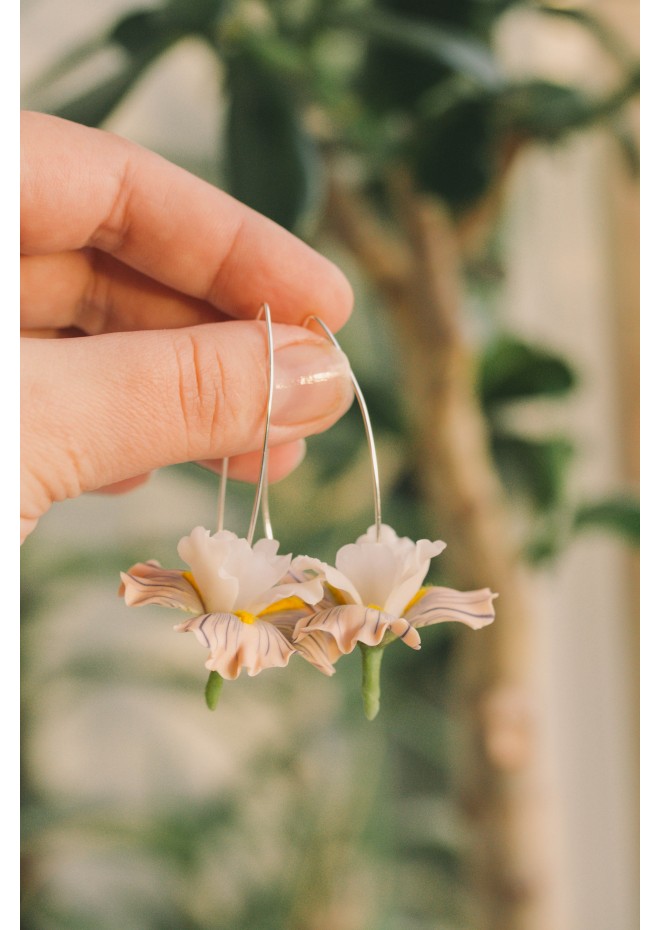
(321, 650)
(437, 605)
(310, 591)
(352, 623)
(335, 578)
(303, 568)
(402, 545)
(231, 574)
(258, 569)
(235, 645)
(285, 619)
(386, 573)
(148, 583)
(388, 536)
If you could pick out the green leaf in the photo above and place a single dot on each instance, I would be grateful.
(545, 110)
(512, 370)
(445, 45)
(535, 468)
(138, 31)
(543, 548)
(94, 106)
(142, 29)
(144, 35)
(193, 15)
(452, 154)
(213, 690)
(618, 514)
(270, 162)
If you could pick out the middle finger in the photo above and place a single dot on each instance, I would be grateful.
(96, 294)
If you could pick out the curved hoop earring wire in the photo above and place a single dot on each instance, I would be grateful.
(261, 493)
(367, 428)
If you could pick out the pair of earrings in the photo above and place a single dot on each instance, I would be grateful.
(254, 609)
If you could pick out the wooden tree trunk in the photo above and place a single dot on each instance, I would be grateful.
(419, 274)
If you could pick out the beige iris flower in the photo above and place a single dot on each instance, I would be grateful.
(375, 594)
(245, 600)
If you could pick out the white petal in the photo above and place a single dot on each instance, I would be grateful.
(235, 645)
(148, 583)
(305, 566)
(406, 588)
(373, 569)
(414, 571)
(257, 569)
(388, 537)
(387, 573)
(231, 574)
(402, 545)
(309, 591)
(474, 608)
(337, 579)
(206, 554)
(268, 548)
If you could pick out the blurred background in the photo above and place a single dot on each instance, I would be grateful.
(472, 166)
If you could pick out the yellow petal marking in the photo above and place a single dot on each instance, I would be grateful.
(287, 603)
(375, 607)
(338, 595)
(244, 616)
(191, 579)
(420, 594)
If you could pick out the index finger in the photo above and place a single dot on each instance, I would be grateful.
(83, 187)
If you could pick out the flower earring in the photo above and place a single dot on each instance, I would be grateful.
(374, 594)
(254, 609)
(244, 599)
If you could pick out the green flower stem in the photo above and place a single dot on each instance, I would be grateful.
(212, 690)
(372, 656)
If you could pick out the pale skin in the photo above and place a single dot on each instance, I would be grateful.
(155, 277)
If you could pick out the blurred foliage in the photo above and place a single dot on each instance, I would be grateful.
(266, 141)
(513, 370)
(383, 82)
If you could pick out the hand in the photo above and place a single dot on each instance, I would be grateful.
(154, 275)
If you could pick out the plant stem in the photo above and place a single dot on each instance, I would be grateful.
(372, 656)
(213, 689)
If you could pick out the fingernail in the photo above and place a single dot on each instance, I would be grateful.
(312, 382)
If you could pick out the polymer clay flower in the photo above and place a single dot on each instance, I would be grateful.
(375, 594)
(244, 599)
(375, 591)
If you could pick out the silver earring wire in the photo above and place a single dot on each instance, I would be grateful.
(367, 428)
(222, 494)
(261, 493)
(261, 496)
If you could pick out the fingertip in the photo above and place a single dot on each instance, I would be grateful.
(339, 306)
(283, 463)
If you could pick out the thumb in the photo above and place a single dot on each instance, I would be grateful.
(101, 409)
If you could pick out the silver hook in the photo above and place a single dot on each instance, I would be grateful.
(222, 494)
(367, 428)
(261, 493)
(265, 309)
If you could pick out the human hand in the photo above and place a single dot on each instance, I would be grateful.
(155, 275)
